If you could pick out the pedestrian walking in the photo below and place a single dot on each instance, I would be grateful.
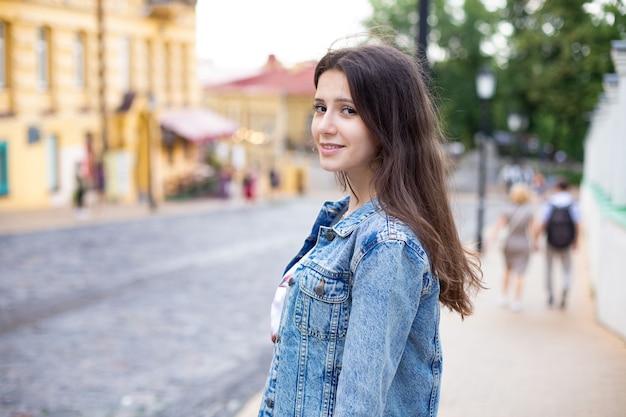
(274, 182)
(518, 171)
(249, 186)
(225, 176)
(356, 317)
(560, 219)
(100, 183)
(539, 186)
(79, 196)
(517, 218)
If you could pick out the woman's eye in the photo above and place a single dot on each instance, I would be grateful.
(318, 108)
(348, 111)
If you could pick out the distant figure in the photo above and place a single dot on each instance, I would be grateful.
(249, 186)
(539, 186)
(274, 181)
(100, 182)
(560, 218)
(79, 197)
(518, 218)
(511, 174)
(224, 180)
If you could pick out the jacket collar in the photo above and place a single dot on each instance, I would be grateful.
(344, 227)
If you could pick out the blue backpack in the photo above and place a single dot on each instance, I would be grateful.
(560, 228)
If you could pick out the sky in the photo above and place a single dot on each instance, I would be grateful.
(241, 34)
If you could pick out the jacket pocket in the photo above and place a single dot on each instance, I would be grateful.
(322, 305)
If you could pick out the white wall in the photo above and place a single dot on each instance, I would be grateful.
(603, 198)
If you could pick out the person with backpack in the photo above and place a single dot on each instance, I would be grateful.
(560, 218)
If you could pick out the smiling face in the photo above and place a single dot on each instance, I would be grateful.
(343, 141)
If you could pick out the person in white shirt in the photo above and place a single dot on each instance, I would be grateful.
(562, 198)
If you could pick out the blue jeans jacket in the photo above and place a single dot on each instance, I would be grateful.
(359, 331)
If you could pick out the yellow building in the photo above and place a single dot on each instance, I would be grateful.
(274, 108)
(86, 84)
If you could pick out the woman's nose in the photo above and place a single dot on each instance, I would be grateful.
(326, 124)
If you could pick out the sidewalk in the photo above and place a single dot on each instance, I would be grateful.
(538, 362)
(66, 217)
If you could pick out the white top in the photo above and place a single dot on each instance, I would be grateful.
(279, 300)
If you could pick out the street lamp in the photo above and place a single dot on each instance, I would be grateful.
(516, 122)
(485, 88)
(422, 33)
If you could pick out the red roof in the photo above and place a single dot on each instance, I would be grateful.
(274, 79)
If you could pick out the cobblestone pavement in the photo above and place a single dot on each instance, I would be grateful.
(156, 316)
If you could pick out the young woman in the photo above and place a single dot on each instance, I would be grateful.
(517, 217)
(356, 317)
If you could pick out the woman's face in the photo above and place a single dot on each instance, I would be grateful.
(343, 141)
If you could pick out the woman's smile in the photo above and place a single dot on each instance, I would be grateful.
(329, 149)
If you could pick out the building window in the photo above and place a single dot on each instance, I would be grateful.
(79, 60)
(4, 171)
(3, 55)
(43, 63)
(52, 159)
(125, 63)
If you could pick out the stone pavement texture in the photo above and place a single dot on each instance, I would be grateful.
(537, 362)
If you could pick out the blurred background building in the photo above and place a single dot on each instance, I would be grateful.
(101, 95)
(274, 108)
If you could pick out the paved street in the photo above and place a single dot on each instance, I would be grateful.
(159, 316)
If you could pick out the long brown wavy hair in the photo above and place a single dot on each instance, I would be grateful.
(390, 94)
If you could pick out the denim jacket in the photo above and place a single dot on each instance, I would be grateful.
(359, 330)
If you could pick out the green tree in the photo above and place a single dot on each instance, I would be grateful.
(559, 55)
(550, 57)
(457, 30)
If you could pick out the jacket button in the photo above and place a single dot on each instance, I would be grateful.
(269, 402)
(330, 235)
(291, 281)
(319, 290)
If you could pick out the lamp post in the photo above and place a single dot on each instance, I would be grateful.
(485, 88)
(516, 122)
(422, 33)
